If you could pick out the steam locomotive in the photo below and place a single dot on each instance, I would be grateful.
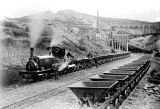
(57, 63)
(42, 67)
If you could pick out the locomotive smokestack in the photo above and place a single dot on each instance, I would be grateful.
(31, 52)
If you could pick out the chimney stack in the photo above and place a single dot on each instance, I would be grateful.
(97, 18)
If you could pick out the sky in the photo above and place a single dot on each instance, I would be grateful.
(144, 10)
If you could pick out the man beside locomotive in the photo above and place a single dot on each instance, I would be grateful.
(91, 59)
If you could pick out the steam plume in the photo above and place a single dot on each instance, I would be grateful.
(94, 24)
(56, 36)
(1, 58)
(63, 66)
(35, 29)
(90, 20)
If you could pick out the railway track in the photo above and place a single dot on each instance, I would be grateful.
(110, 89)
(50, 93)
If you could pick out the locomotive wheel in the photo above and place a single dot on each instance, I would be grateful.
(39, 78)
(27, 80)
(44, 77)
(35, 78)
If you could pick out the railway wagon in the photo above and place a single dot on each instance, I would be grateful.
(109, 89)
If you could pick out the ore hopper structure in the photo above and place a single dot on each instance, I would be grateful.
(109, 89)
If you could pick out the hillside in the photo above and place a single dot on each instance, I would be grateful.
(66, 19)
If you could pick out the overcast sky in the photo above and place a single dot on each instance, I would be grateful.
(145, 10)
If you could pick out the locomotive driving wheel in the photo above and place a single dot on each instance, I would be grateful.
(27, 80)
(44, 77)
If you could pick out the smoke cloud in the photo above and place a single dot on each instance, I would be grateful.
(56, 36)
(35, 29)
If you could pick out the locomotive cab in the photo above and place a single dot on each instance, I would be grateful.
(62, 56)
(57, 51)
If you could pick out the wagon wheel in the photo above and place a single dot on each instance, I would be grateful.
(117, 104)
(139, 78)
(125, 93)
(120, 99)
(132, 86)
(75, 68)
(110, 106)
(85, 65)
(128, 90)
(80, 66)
